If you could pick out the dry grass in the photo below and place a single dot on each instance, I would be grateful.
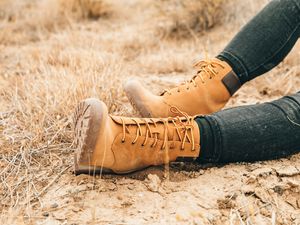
(56, 53)
(42, 86)
(23, 21)
(185, 19)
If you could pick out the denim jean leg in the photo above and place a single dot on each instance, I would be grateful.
(256, 132)
(265, 41)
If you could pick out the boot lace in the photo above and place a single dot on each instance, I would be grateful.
(182, 126)
(205, 68)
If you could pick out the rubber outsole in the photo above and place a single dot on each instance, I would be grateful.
(87, 121)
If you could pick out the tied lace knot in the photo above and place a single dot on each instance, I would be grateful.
(205, 68)
(182, 125)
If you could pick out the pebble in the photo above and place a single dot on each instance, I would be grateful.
(130, 186)
(153, 182)
(288, 171)
(54, 205)
(45, 214)
(111, 186)
(59, 216)
(263, 172)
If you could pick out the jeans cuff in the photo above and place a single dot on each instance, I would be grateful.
(236, 64)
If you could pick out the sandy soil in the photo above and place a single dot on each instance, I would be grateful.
(94, 58)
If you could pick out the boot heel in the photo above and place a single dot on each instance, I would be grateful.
(91, 170)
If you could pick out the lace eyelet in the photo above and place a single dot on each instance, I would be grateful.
(123, 141)
(142, 145)
(132, 143)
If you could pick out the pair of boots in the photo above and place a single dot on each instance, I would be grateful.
(106, 143)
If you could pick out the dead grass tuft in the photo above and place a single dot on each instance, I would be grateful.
(28, 21)
(184, 19)
(85, 9)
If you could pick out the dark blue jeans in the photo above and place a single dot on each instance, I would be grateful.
(265, 41)
(265, 131)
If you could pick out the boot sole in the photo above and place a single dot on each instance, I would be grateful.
(135, 102)
(87, 121)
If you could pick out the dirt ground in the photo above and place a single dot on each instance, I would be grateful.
(49, 61)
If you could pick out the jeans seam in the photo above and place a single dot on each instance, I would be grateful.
(282, 46)
(218, 139)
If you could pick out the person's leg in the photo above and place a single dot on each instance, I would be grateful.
(265, 41)
(123, 144)
(257, 48)
(250, 133)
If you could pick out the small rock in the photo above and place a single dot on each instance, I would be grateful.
(288, 171)
(45, 214)
(153, 182)
(54, 205)
(201, 172)
(59, 216)
(75, 209)
(130, 186)
(111, 186)
(262, 172)
(262, 195)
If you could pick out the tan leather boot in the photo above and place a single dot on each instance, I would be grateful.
(207, 92)
(106, 143)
